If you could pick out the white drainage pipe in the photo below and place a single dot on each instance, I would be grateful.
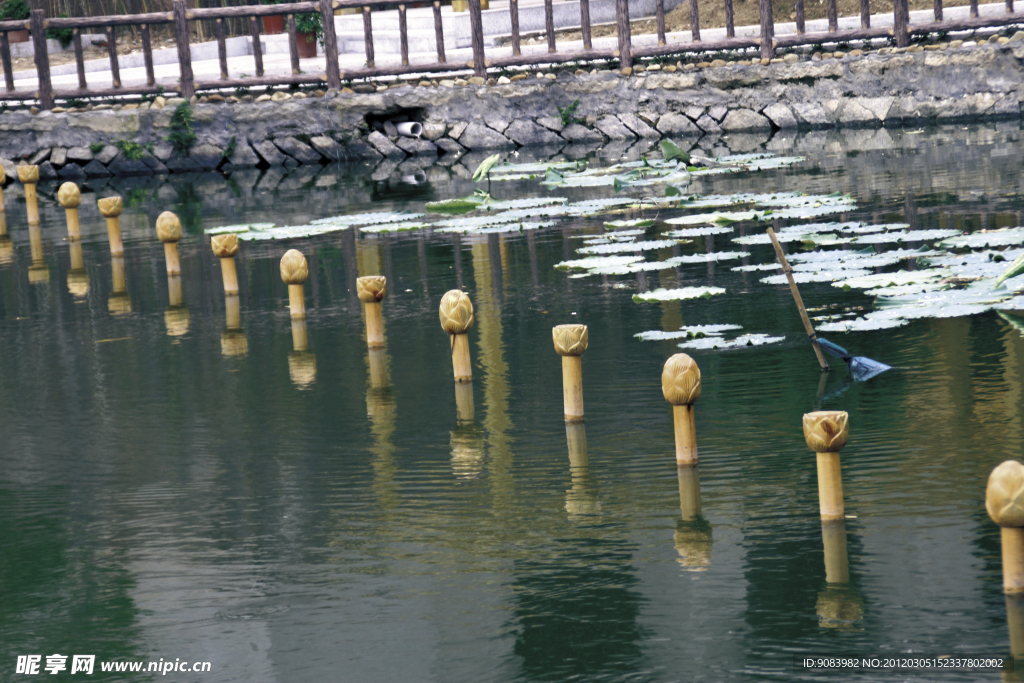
(410, 129)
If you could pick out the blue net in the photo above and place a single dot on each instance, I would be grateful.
(861, 368)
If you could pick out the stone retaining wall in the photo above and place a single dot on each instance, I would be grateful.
(888, 88)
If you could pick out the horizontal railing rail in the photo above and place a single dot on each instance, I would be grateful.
(333, 76)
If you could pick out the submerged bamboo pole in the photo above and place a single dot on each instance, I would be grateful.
(826, 433)
(37, 271)
(70, 197)
(464, 406)
(581, 499)
(119, 301)
(78, 276)
(1004, 500)
(233, 341)
(837, 563)
(680, 384)
(176, 317)
(224, 248)
(168, 231)
(456, 313)
(294, 272)
(110, 208)
(570, 343)
(371, 291)
(29, 176)
(693, 533)
(301, 363)
(798, 299)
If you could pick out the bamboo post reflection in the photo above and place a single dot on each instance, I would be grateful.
(571, 343)
(38, 272)
(839, 605)
(119, 302)
(110, 208)
(301, 362)
(224, 248)
(380, 409)
(826, 433)
(456, 314)
(681, 386)
(29, 176)
(233, 341)
(371, 291)
(693, 532)
(6, 245)
(582, 498)
(467, 439)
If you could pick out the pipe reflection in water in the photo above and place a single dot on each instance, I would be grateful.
(301, 362)
(467, 439)
(176, 316)
(380, 408)
(38, 272)
(839, 605)
(233, 341)
(119, 302)
(581, 499)
(693, 532)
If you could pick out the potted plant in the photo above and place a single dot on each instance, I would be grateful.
(309, 30)
(272, 23)
(15, 10)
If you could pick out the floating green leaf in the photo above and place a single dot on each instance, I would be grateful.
(485, 166)
(670, 150)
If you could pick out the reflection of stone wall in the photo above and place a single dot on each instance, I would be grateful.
(867, 91)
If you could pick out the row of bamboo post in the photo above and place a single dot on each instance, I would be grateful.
(825, 432)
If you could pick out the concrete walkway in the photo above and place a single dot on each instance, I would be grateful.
(276, 60)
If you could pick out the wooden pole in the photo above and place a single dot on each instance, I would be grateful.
(70, 197)
(37, 25)
(294, 272)
(799, 301)
(901, 23)
(826, 433)
(680, 384)
(29, 176)
(186, 86)
(168, 231)
(1004, 500)
(837, 564)
(224, 248)
(476, 25)
(767, 29)
(110, 208)
(625, 39)
(330, 45)
(456, 313)
(371, 290)
(570, 343)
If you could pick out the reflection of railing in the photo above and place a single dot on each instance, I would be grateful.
(333, 76)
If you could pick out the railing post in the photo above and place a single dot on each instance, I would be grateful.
(42, 58)
(625, 42)
(186, 85)
(767, 29)
(476, 24)
(330, 44)
(900, 17)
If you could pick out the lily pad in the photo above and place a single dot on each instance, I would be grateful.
(677, 294)
(900, 277)
(861, 325)
(818, 276)
(633, 223)
(620, 247)
(690, 331)
(244, 227)
(713, 343)
(698, 232)
(990, 238)
(597, 262)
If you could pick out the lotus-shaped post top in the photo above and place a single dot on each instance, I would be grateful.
(680, 380)
(69, 195)
(570, 340)
(28, 174)
(168, 227)
(1004, 495)
(456, 312)
(372, 288)
(826, 431)
(110, 207)
(224, 246)
(294, 270)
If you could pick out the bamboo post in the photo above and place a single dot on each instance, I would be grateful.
(294, 272)
(689, 492)
(371, 291)
(693, 533)
(301, 363)
(37, 271)
(3, 178)
(826, 433)
(837, 563)
(570, 343)
(378, 362)
(168, 231)
(581, 499)
(119, 301)
(797, 298)
(1004, 500)
(680, 384)
(224, 248)
(78, 276)
(110, 208)
(456, 313)
(176, 317)
(29, 176)
(464, 407)
(70, 197)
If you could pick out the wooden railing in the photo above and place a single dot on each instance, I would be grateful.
(333, 76)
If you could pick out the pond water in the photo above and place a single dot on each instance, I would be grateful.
(171, 489)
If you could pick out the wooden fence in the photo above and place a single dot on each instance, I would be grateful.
(180, 17)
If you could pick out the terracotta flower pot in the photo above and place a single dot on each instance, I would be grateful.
(18, 36)
(307, 44)
(273, 24)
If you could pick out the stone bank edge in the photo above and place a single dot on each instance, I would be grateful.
(898, 88)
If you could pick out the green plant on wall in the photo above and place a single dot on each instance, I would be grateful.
(64, 36)
(182, 137)
(15, 10)
(568, 114)
(131, 150)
